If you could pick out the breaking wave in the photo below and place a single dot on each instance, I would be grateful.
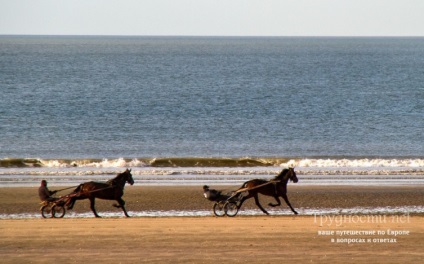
(331, 162)
(225, 171)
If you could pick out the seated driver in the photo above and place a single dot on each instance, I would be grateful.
(213, 195)
(45, 194)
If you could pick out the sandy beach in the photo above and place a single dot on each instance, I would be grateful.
(207, 240)
(380, 238)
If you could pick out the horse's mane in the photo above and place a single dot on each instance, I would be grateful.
(281, 175)
(113, 181)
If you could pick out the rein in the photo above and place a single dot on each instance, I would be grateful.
(260, 185)
(112, 185)
(98, 190)
(67, 188)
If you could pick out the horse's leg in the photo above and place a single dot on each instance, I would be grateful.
(278, 201)
(121, 205)
(259, 205)
(243, 199)
(70, 203)
(288, 203)
(74, 197)
(92, 203)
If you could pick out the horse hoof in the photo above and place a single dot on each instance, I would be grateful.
(296, 213)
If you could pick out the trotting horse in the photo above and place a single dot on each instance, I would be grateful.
(275, 188)
(111, 190)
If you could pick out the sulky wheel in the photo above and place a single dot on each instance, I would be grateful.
(230, 209)
(58, 211)
(46, 211)
(218, 209)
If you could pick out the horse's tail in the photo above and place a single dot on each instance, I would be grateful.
(245, 184)
(73, 197)
(243, 187)
(78, 189)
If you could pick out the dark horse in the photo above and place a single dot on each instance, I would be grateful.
(111, 190)
(275, 188)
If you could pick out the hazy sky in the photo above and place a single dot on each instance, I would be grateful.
(214, 17)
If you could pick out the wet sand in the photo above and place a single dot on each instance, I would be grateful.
(140, 198)
(252, 239)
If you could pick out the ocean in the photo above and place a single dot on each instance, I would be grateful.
(215, 110)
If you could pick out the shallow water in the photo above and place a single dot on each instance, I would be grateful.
(178, 177)
(317, 212)
(330, 171)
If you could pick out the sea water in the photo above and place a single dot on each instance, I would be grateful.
(194, 110)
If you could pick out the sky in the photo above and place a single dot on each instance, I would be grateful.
(213, 17)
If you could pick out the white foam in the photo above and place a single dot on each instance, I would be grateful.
(306, 163)
(250, 212)
(309, 172)
(356, 163)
